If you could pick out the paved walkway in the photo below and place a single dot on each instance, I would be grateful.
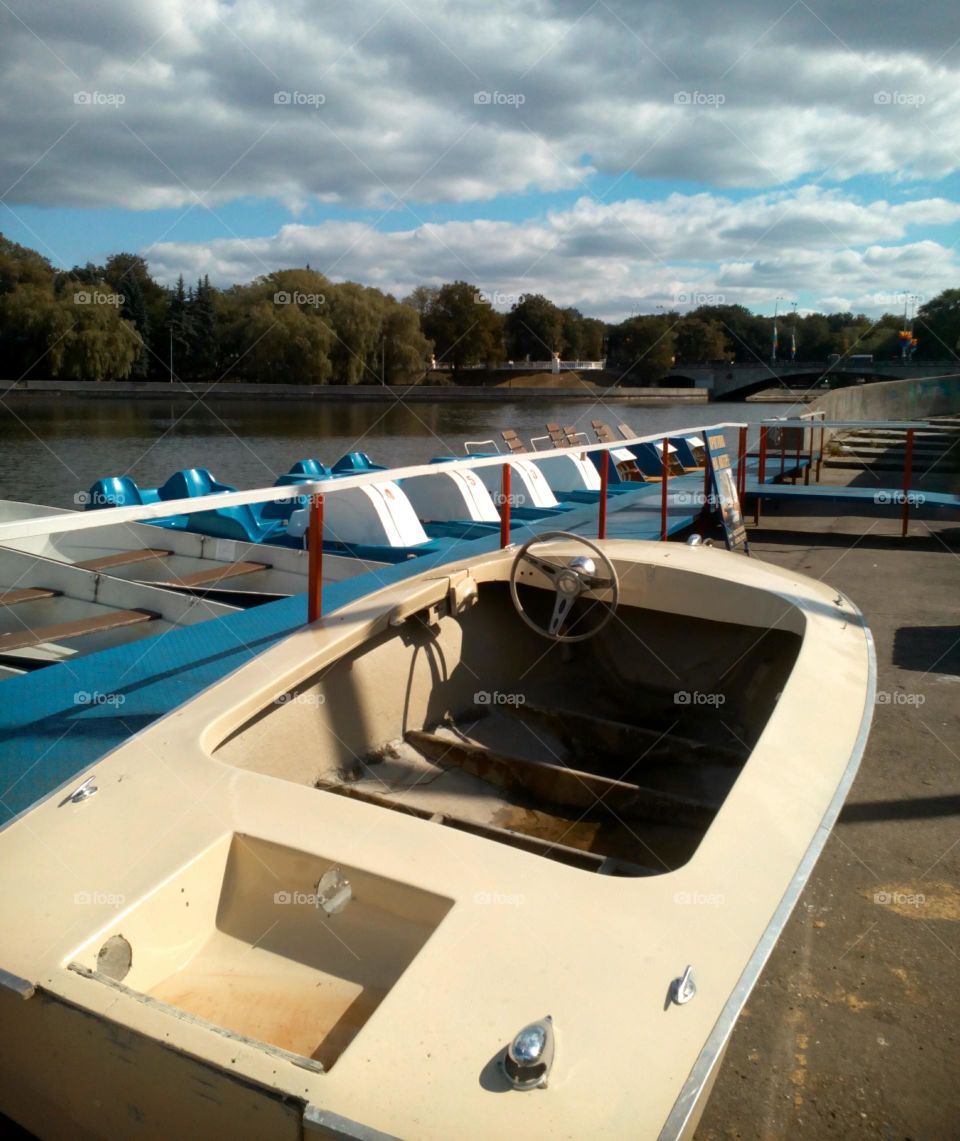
(852, 1029)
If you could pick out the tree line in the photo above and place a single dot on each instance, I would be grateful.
(113, 322)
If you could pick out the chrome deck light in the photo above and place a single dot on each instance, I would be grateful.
(529, 1057)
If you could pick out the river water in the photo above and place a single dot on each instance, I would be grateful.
(53, 447)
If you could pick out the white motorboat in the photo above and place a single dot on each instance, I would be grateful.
(497, 851)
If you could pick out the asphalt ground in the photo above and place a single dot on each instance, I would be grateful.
(851, 1031)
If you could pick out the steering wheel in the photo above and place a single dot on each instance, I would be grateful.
(570, 581)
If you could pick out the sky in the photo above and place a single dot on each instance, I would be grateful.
(616, 156)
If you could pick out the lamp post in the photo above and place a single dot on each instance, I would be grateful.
(773, 348)
(793, 333)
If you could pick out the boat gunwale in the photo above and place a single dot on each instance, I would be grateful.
(712, 1051)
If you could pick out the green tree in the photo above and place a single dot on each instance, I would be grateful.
(641, 349)
(533, 328)
(465, 330)
(594, 339)
(203, 355)
(406, 348)
(749, 337)
(699, 341)
(937, 326)
(356, 314)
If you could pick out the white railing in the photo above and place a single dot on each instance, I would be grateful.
(143, 513)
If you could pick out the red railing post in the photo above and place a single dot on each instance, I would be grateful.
(315, 559)
(761, 473)
(505, 506)
(664, 480)
(796, 461)
(604, 484)
(907, 473)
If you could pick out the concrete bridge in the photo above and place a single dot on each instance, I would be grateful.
(740, 380)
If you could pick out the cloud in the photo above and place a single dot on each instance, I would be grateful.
(391, 100)
(610, 260)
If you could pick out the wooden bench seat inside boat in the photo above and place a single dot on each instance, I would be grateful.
(64, 631)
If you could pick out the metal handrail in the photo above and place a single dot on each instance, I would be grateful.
(142, 513)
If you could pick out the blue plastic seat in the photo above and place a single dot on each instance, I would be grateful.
(355, 463)
(191, 483)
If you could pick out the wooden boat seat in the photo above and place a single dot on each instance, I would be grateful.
(214, 575)
(512, 440)
(553, 849)
(26, 594)
(676, 467)
(123, 559)
(561, 785)
(64, 631)
(557, 436)
(628, 469)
